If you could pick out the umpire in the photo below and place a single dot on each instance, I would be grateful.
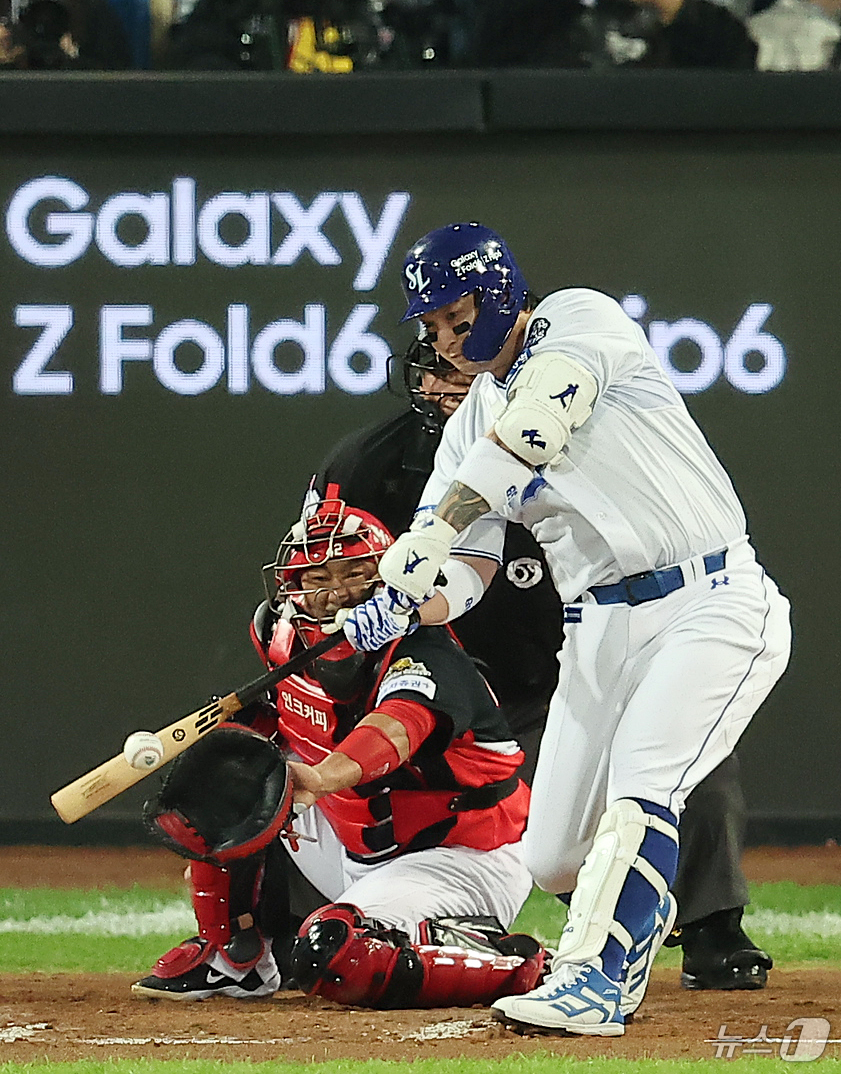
(383, 469)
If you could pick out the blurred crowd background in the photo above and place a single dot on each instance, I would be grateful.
(320, 37)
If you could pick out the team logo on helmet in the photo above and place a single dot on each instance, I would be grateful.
(415, 279)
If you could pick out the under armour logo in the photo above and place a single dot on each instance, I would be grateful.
(531, 435)
(720, 581)
(415, 278)
(567, 393)
(411, 565)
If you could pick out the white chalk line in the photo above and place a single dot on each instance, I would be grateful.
(448, 1030)
(162, 920)
(35, 1031)
(112, 1041)
(176, 917)
(815, 924)
(10, 1033)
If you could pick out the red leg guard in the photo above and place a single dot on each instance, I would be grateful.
(454, 977)
(211, 896)
(349, 959)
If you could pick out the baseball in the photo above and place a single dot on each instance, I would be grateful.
(143, 750)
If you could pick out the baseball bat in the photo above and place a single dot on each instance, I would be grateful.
(100, 785)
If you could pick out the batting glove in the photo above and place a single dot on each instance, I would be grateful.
(412, 563)
(384, 618)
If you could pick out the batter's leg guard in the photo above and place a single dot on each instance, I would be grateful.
(348, 958)
(626, 875)
(224, 958)
(623, 880)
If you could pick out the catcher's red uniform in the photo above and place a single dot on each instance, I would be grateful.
(458, 788)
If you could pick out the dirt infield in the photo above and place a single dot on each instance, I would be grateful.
(71, 1016)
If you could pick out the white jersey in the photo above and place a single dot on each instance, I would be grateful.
(637, 487)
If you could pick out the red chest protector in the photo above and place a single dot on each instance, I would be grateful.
(375, 823)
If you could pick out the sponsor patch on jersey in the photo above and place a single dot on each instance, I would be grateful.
(537, 331)
(524, 572)
(407, 674)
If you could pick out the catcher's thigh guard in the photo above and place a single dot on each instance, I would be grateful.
(347, 958)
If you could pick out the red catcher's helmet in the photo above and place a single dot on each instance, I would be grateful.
(328, 530)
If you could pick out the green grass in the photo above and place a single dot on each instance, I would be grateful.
(797, 924)
(519, 1064)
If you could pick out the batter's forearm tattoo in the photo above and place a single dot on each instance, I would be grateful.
(461, 506)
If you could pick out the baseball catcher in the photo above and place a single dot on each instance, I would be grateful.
(408, 812)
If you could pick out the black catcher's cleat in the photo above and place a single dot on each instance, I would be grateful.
(244, 968)
(718, 954)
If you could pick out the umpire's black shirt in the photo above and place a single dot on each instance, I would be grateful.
(515, 631)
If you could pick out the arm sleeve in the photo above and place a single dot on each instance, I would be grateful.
(417, 719)
(485, 537)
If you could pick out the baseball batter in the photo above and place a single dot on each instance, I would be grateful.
(383, 468)
(674, 632)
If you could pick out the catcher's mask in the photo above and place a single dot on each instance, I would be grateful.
(435, 387)
(328, 532)
(226, 797)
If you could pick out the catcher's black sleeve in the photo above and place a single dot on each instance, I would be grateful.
(431, 668)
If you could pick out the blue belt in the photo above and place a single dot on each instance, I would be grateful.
(651, 585)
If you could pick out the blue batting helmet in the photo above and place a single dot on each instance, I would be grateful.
(458, 260)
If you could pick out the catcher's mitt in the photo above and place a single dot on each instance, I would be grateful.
(224, 798)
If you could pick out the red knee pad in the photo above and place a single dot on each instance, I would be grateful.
(345, 957)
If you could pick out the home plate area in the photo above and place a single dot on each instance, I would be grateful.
(67, 1017)
(72, 1016)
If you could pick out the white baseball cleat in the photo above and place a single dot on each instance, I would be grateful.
(642, 954)
(575, 998)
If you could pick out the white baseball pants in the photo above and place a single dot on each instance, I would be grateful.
(402, 892)
(650, 700)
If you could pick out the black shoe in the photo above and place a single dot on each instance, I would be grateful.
(718, 954)
(243, 969)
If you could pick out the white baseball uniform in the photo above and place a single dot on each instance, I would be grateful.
(652, 696)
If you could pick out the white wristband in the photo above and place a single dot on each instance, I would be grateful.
(462, 589)
(499, 477)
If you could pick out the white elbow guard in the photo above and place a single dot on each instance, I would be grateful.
(461, 586)
(551, 396)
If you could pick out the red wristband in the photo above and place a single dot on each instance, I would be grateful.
(372, 750)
